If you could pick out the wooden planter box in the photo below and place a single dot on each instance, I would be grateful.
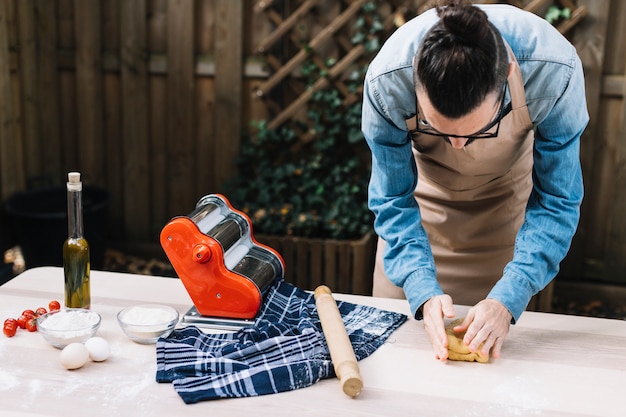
(345, 266)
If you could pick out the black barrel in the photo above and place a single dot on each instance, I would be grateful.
(39, 219)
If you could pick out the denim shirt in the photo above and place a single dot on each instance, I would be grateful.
(555, 95)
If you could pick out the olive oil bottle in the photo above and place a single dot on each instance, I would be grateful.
(76, 249)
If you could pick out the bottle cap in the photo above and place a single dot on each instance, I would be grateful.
(73, 177)
(73, 182)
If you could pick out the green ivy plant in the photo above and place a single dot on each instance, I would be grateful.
(312, 188)
(555, 14)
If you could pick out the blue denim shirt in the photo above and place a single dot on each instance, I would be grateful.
(555, 95)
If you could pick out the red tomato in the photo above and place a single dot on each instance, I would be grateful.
(54, 305)
(10, 329)
(28, 313)
(21, 321)
(10, 320)
(40, 311)
(31, 324)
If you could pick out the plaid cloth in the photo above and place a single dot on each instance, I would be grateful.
(284, 350)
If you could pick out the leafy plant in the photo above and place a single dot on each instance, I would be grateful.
(555, 14)
(314, 189)
(309, 178)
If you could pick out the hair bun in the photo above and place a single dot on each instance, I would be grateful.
(466, 23)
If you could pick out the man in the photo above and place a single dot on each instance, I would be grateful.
(473, 116)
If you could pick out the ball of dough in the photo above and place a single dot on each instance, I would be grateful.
(74, 355)
(457, 350)
(99, 349)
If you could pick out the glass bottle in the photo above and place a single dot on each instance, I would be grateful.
(76, 249)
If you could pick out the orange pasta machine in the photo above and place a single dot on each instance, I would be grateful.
(223, 268)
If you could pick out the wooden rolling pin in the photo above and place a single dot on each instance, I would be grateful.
(341, 352)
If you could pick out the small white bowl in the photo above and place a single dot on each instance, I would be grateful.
(68, 325)
(146, 323)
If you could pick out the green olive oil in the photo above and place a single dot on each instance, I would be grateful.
(76, 249)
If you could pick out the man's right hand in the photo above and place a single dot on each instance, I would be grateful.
(434, 311)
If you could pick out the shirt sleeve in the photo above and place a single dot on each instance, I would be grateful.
(553, 209)
(408, 258)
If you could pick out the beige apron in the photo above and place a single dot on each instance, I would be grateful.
(472, 202)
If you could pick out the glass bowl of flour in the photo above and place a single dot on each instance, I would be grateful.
(68, 325)
(146, 323)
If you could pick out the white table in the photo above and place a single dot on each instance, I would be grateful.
(552, 365)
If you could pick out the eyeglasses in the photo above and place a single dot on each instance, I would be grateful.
(485, 133)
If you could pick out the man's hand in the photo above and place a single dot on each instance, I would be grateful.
(434, 310)
(486, 323)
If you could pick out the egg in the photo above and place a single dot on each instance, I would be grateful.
(74, 356)
(99, 349)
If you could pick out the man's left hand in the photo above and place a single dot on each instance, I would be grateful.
(486, 323)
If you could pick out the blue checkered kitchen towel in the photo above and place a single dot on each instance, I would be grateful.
(284, 350)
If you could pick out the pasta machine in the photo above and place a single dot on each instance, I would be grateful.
(223, 268)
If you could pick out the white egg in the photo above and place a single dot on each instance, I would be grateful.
(99, 349)
(74, 355)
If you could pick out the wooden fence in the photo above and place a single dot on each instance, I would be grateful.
(149, 99)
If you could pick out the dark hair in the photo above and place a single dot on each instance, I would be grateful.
(461, 60)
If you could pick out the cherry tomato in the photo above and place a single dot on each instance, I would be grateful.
(21, 321)
(54, 305)
(31, 324)
(10, 320)
(9, 329)
(28, 313)
(40, 311)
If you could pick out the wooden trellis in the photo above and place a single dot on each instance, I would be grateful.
(577, 13)
(337, 32)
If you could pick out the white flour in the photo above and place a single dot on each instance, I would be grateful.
(140, 316)
(7, 380)
(70, 320)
